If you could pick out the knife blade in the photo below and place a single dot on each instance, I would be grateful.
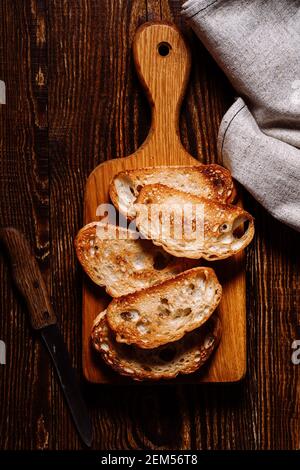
(29, 281)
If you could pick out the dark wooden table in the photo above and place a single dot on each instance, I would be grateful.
(74, 100)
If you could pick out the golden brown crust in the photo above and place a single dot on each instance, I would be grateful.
(220, 231)
(166, 312)
(211, 181)
(125, 264)
(187, 355)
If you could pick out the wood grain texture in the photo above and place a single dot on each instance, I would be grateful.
(28, 278)
(164, 79)
(96, 109)
(24, 203)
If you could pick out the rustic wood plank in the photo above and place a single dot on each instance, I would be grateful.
(153, 10)
(24, 203)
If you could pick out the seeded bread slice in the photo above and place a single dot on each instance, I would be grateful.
(165, 362)
(211, 181)
(114, 258)
(209, 229)
(164, 313)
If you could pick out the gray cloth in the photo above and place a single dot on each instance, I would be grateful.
(2, 92)
(256, 43)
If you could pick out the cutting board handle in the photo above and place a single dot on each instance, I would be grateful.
(162, 59)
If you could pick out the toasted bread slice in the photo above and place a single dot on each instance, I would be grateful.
(192, 226)
(113, 257)
(165, 362)
(164, 313)
(211, 181)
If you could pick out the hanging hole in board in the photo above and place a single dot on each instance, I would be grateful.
(164, 48)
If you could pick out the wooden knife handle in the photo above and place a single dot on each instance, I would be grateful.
(28, 278)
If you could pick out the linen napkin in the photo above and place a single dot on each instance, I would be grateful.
(256, 43)
(2, 92)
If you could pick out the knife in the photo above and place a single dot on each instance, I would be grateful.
(29, 281)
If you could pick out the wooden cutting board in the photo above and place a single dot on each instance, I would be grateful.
(162, 59)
